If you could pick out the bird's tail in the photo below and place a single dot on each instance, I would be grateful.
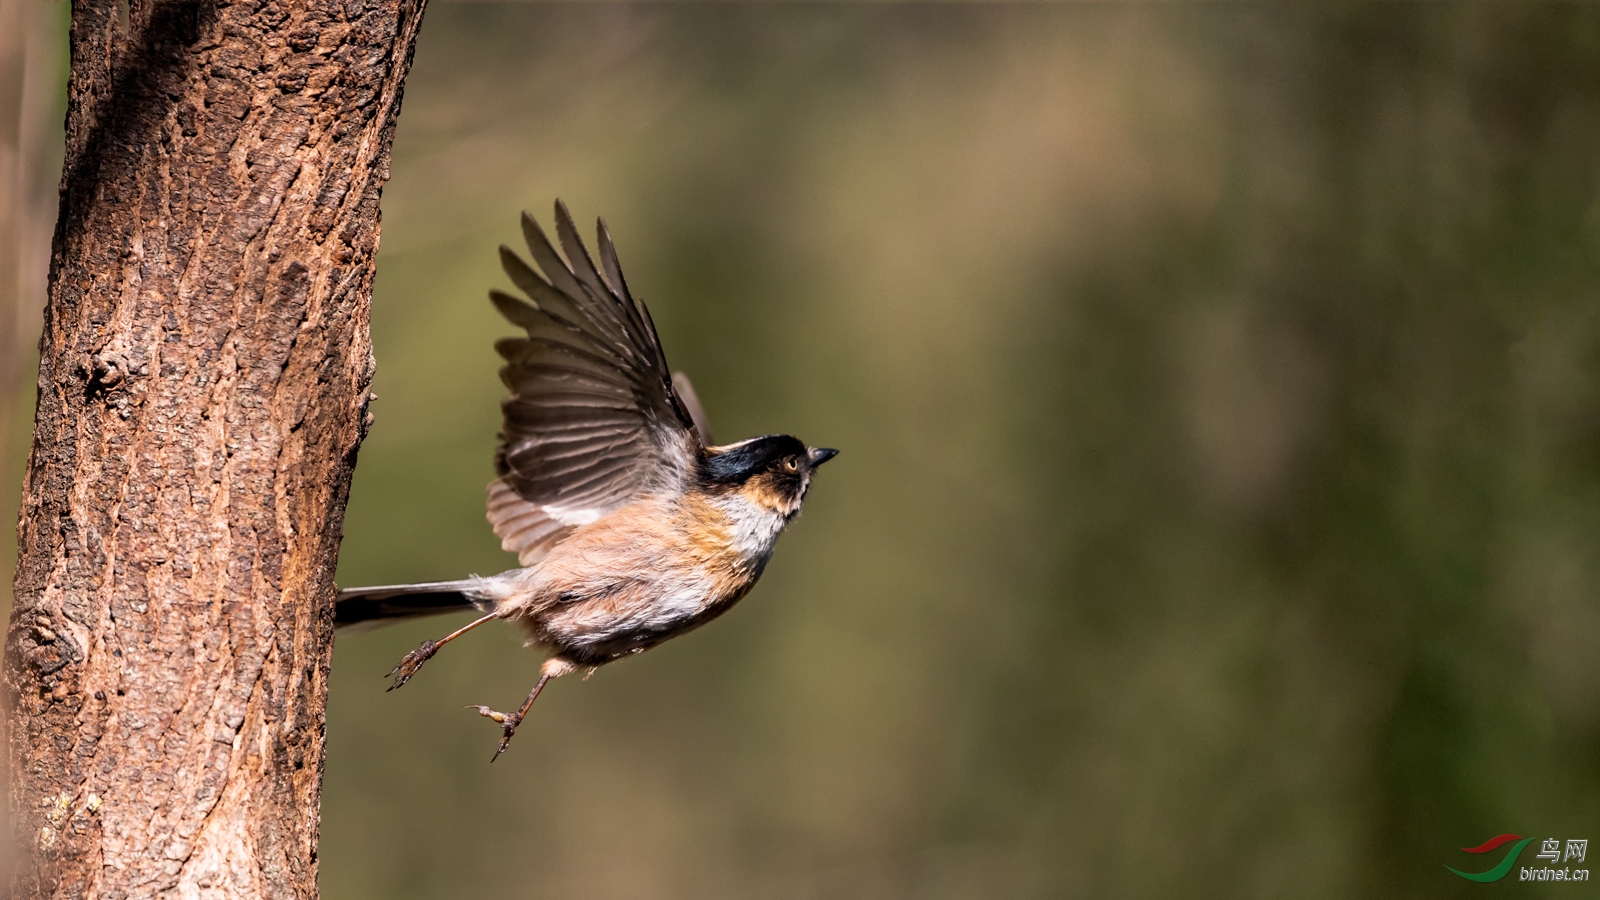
(376, 605)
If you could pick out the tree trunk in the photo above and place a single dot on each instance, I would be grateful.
(202, 394)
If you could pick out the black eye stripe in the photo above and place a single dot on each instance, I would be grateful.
(735, 465)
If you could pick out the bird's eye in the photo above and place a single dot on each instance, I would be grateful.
(791, 464)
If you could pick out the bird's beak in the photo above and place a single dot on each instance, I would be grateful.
(820, 455)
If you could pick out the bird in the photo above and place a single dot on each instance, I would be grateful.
(631, 526)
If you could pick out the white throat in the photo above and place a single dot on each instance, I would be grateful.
(753, 526)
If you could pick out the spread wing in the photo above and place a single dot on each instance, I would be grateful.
(691, 402)
(594, 418)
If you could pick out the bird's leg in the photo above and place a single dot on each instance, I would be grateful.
(413, 661)
(554, 667)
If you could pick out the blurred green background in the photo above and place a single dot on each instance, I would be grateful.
(1220, 494)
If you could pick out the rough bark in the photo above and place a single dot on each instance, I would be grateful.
(202, 393)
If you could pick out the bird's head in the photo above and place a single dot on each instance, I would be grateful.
(773, 471)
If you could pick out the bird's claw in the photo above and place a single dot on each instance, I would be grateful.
(411, 663)
(507, 721)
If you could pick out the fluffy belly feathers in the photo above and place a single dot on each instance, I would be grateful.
(637, 578)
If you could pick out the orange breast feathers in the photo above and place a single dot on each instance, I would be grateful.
(662, 556)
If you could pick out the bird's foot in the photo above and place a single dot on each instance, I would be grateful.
(507, 721)
(413, 661)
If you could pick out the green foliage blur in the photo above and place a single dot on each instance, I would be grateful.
(1220, 490)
